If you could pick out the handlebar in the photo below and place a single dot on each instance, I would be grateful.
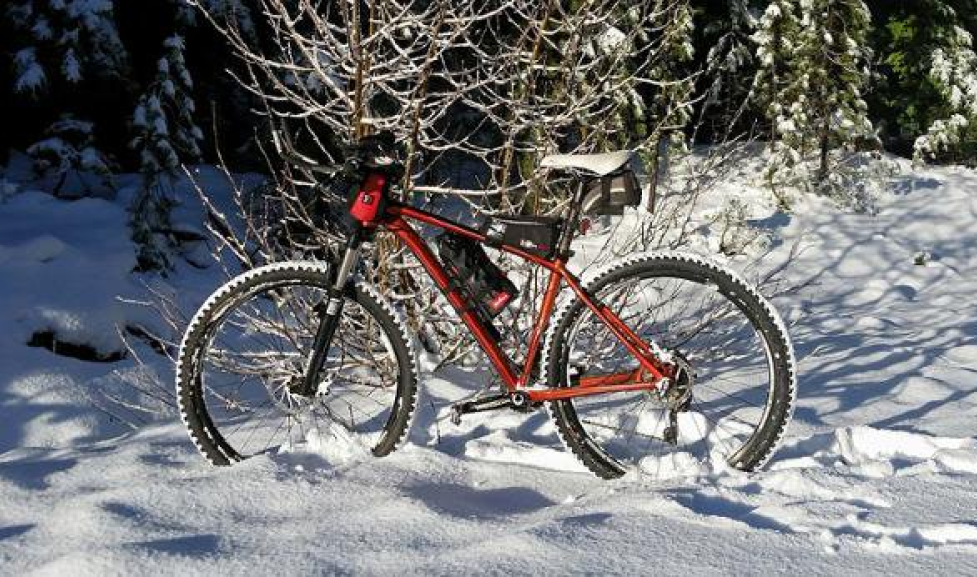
(378, 153)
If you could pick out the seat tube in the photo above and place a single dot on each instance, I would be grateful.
(542, 321)
(573, 216)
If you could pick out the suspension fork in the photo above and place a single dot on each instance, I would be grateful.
(329, 314)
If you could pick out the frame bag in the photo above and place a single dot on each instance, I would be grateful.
(537, 235)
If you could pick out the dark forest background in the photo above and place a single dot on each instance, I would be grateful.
(903, 100)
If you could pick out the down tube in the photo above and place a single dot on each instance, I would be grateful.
(409, 237)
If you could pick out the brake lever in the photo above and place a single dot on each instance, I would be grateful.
(310, 165)
(285, 149)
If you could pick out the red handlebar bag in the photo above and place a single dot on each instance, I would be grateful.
(370, 201)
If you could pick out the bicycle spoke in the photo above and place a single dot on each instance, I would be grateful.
(718, 342)
(260, 350)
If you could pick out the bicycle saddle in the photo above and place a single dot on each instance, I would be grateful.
(595, 164)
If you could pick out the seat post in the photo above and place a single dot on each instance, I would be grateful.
(573, 217)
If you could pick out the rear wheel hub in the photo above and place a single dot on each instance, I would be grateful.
(678, 396)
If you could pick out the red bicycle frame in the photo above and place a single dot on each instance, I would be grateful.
(651, 374)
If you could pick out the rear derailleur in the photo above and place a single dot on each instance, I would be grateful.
(677, 396)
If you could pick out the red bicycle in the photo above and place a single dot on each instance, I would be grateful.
(663, 360)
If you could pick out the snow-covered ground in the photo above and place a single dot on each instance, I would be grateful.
(878, 473)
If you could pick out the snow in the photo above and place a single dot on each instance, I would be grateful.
(877, 474)
(599, 164)
(30, 74)
(71, 68)
(611, 39)
(42, 29)
(67, 279)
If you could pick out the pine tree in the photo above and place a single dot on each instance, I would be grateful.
(925, 91)
(235, 13)
(31, 77)
(60, 45)
(836, 40)
(777, 36)
(953, 73)
(166, 137)
(166, 132)
(820, 72)
(65, 40)
(730, 65)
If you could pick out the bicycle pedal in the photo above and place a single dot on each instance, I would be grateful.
(670, 435)
(455, 416)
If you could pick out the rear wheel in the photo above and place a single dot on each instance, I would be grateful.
(244, 356)
(733, 392)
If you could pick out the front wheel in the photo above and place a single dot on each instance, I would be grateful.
(730, 400)
(244, 357)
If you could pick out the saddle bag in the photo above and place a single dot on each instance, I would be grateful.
(608, 195)
(537, 235)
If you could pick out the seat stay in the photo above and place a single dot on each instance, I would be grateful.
(642, 351)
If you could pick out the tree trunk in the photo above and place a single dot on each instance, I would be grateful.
(657, 169)
(825, 142)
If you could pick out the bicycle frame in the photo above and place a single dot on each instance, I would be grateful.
(652, 374)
